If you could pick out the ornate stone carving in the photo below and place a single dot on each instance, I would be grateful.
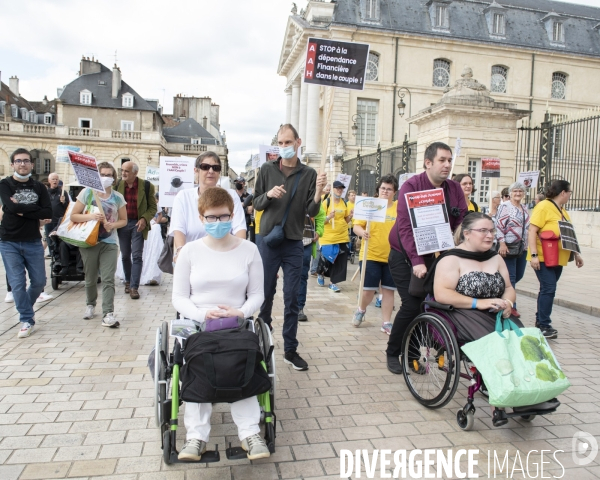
(467, 83)
(294, 9)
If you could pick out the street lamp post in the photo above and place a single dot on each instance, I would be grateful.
(402, 105)
(356, 127)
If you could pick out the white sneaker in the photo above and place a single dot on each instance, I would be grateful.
(192, 450)
(9, 298)
(44, 297)
(256, 447)
(89, 312)
(110, 321)
(26, 330)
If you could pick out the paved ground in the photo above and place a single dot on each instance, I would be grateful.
(76, 398)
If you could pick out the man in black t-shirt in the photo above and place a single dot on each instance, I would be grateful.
(24, 202)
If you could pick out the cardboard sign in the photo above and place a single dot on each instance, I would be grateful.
(403, 177)
(267, 153)
(176, 174)
(62, 153)
(529, 179)
(429, 221)
(490, 167)
(336, 64)
(152, 174)
(86, 171)
(370, 209)
(345, 179)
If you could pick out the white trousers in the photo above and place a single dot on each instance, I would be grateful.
(245, 413)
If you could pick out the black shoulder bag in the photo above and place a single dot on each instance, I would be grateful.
(275, 237)
(572, 254)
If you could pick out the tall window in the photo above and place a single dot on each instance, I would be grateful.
(373, 67)
(48, 118)
(371, 9)
(32, 116)
(367, 123)
(498, 83)
(128, 100)
(85, 97)
(47, 164)
(24, 113)
(2, 104)
(498, 24)
(481, 184)
(126, 125)
(14, 111)
(441, 17)
(559, 85)
(441, 73)
(558, 32)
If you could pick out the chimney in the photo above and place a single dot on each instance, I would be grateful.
(45, 100)
(116, 81)
(13, 84)
(205, 123)
(87, 66)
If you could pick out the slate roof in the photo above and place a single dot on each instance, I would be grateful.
(9, 97)
(186, 130)
(48, 107)
(102, 93)
(524, 26)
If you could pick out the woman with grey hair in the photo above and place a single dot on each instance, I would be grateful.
(494, 198)
(512, 225)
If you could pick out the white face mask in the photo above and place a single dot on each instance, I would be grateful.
(107, 181)
(22, 177)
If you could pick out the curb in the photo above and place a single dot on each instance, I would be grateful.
(590, 310)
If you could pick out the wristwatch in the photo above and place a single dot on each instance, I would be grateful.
(534, 255)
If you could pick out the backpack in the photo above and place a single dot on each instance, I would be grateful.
(329, 203)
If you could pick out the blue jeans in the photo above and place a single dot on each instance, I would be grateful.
(289, 257)
(306, 260)
(548, 278)
(516, 268)
(132, 251)
(19, 259)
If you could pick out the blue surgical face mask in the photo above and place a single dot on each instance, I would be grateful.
(22, 177)
(287, 152)
(217, 229)
(337, 196)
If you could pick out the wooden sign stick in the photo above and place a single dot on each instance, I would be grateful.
(99, 204)
(364, 265)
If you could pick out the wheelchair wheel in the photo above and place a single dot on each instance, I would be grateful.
(55, 283)
(465, 421)
(166, 446)
(528, 418)
(431, 361)
(160, 375)
(267, 346)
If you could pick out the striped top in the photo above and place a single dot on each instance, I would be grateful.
(509, 223)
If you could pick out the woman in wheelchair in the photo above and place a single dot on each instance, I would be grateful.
(474, 280)
(219, 276)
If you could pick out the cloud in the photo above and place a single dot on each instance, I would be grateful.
(226, 50)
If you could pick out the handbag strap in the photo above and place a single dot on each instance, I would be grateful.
(506, 324)
(287, 209)
(559, 210)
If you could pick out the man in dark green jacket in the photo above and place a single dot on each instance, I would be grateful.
(141, 208)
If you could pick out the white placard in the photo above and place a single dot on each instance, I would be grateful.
(369, 208)
(176, 174)
(152, 174)
(267, 153)
(529, 179)
(429, 221)
(86, 170)
(62, 153)
(403, 177)
(345, 179)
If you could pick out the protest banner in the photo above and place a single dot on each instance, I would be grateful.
(62, 153)
(176, 173)
(529, 179)
(345, 179)
(267, 153)
(490, 167)
(336, 64)
(568, 238)
(371, 210)
(152, 174)
(429, 221)
(87, 174)
(403, 177)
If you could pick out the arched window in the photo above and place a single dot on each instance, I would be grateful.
(559, 85)
(373, 67)
(499, 75)
(441, 73)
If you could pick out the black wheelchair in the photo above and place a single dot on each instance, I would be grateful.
(165, 367)
(75, 267)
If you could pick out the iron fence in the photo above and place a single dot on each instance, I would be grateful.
(565, 150)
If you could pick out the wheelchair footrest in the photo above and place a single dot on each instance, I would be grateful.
(236, 453)
(209, 456)
(550, 405)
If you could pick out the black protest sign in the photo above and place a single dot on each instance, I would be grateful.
(568, 239)
(336, 64)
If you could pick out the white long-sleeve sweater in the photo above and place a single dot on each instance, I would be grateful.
(204, 278)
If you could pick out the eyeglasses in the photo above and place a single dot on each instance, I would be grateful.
(220, 218)
(207, 166)
(22, 162)
(485, 231)
(386, 189)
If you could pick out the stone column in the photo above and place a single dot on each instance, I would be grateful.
(303, 100)
(295, 121)
(288, 105)
(312, 119)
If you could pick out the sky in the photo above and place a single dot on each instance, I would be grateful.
(228, 50)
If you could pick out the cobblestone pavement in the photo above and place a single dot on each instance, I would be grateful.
(76, 398)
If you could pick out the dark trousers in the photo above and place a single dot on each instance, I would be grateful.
(288, 256)
(516, 268)
(306, 259)
(548, 278)
(65, 255)
(411, 306)
(132, 251)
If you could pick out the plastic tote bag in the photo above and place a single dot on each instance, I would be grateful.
(517, 365)
(84, 234)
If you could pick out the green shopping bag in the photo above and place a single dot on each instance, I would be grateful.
(517, 365)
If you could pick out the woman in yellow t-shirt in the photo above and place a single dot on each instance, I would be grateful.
(335, 234)
(377, 269)
(545, 217)
(466, 183)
